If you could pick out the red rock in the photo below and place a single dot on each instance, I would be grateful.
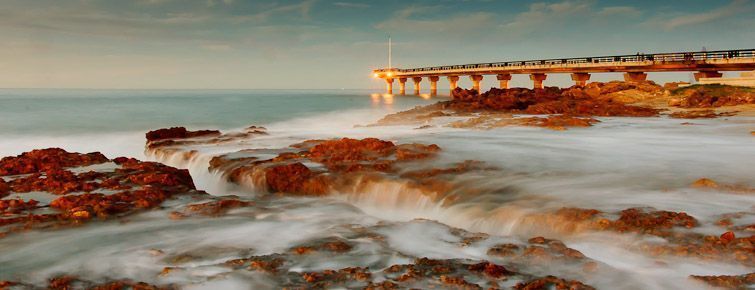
(178, 133)
(711, 96)
(727, 237)
(573, 101)
(4, 188)
(294, 178)
(47, 159)
(552, 282)
(219, 207)
(490, 269)
(16, 205)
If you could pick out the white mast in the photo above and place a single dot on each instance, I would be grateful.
(389, 52)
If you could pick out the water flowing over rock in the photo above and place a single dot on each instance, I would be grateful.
(131, 185)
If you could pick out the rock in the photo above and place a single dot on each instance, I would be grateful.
(727, 237)
(574, 101)
(711, 96)
(745, 281)
(294, 178)
(705, 182)
(178, 133)
(699, 114)
(137, 185)
(47, 159)
(552, 282)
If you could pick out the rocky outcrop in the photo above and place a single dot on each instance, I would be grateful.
(670, 226)
(138, 185)
(711, 96)
(46, 160)
(699, 114)
(178, 133)
(744, 281)
(574, 101)
(340, 160)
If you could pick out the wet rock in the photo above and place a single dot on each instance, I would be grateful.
(707, 183)
(295, 178)
(72, 282)
(746, 281)
(490, 269)
(699, 114)
(139, 185)
(573, 101)
(47, 160)
(552, 282)
(4, 188)
(333, 245)
(217, 207)
(727, 237)
(16, 205)
(178, 133)
(711, 96)
(636, 219)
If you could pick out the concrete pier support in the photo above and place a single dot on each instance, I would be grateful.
(454, 82)
(402, 86)
(504, 80)
(635, 77)
(537, 80)
(433, 85)
(476, 79)
(580, 79)
(389, 86)
(416, 80)
(707, 74)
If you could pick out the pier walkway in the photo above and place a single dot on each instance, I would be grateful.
(705, 64)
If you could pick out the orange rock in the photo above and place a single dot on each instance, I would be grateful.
(727, 237)
(47, 159)
(294, 178)
(573, 101)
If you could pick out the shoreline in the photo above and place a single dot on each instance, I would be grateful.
(330, 199)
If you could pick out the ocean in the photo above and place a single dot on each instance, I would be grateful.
(619, 163)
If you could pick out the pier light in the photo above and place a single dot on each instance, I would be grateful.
(375, 75)
(390, 74)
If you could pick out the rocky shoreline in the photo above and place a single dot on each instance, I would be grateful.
(577, 106)
(51, 189)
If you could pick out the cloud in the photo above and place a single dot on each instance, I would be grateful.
(619, 11)
(352, 5)
(545, 14)
(414, 19)
(723, 12)
(300, 10)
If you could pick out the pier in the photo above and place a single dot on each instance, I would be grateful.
(705, 65)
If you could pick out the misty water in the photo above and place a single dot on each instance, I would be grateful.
(617, 164)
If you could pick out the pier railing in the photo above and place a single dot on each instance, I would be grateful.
(630, 58)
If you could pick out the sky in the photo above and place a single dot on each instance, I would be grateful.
(318, 44)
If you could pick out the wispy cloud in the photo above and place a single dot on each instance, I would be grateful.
(619, 11)
(733, 8)
(352, 5)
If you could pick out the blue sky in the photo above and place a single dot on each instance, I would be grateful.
(316, 44)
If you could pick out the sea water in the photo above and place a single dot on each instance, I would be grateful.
(617, 164)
